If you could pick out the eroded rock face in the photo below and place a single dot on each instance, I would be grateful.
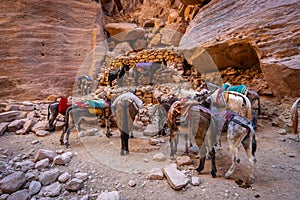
(43, 44)
(247, 33)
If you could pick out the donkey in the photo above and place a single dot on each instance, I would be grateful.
(125, 108)
(77, 113)
(143, 68)
(56, 108)
(85, 84)
(239, 132)
(294, 117)
(119, 74)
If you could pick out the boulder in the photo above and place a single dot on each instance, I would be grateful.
(9, 116)
(12, 182)
(176, 178)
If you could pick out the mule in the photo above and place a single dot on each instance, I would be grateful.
(79, 112)
(239, 132)
(199, 124)
(146, 68)
(56, 108)
(119, 75)
(251, 95)
(85, 84)
(294, 117)
(125, 108)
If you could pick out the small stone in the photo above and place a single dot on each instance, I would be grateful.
(35, 142)
(132, 183)
(42, 164)
(74, 185)
(159, 157)
(34, 187)
(82, 176)
(64, 177)
(195, 181)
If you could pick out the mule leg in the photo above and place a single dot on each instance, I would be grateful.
(234, 151)
(212, 154)
(107, 125)
(202, 159)
(62, 137)
(126, 138)
(68, 135)
(247, 144)
(122, 143)
(51, 121)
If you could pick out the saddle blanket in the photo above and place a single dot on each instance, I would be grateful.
(238, 88)
(142, 66)
(128, 95)
(100, 103)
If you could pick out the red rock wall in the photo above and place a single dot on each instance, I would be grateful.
(43, 44)
(271, 28)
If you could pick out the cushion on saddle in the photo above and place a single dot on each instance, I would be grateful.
(81, 104)
(63, 105)
(97, 103)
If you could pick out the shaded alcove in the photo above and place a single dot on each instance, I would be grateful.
(239, 55)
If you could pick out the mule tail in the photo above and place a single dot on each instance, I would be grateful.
(48, 114)
(294, 115)
(252, 134)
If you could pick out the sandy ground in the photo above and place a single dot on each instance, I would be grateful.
(277, 171)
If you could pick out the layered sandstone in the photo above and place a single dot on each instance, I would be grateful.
(248, 33)
(43, 45)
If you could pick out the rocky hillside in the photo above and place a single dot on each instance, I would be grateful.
(45, 45)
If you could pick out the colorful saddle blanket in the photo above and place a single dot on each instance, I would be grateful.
(100, 103)
(142, 66)
(238, 88)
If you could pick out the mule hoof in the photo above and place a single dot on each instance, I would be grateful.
(238, 160)
(108, 135)
(213, 174)
(68, 146)
(62, 142)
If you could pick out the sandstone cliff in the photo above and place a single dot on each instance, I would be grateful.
(43, 44)
(247, 33)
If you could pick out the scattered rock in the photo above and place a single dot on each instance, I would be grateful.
(159, 157)
(63, 158)
(82, 176)
(15, 125)
(281, 131)
(114, 195)
(176, 178)
(49, 177)
(24, 166)
(3, 127)
(64, 177)
(42, 133)
(34, 187)
(19, 195)
(195, 181)
(132, 183)
(184, 160)
(42, 154)
(12, 182)
(52, 190)
(74, 185)
(42, 164)
(155, 174)
(9, 116)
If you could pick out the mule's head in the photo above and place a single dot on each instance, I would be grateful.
(218, 98)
